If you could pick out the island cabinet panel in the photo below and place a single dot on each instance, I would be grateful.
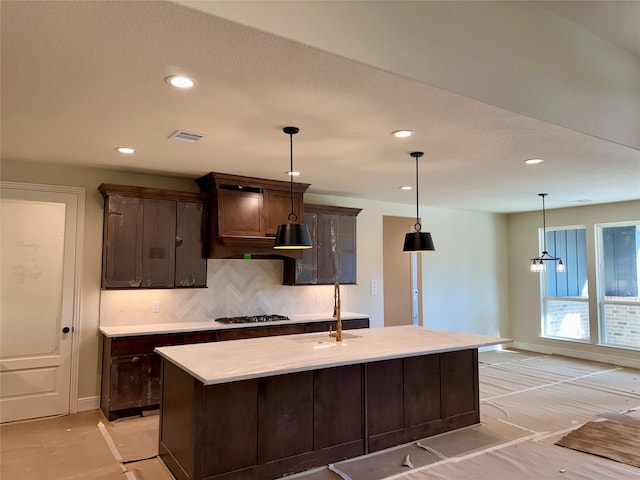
(338, 409)
(263, 428)
(416, 397)
(285, 416)
(459, 383)
(229, 439)
(275, 426)
(385, 406)
(176, 430)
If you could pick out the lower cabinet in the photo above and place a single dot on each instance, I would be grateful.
(131, 369)
(272, 427)
(416, 397)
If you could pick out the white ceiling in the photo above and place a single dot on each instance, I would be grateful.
(80, 78)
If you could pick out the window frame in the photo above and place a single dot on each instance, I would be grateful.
(601, 300)
(544, 293)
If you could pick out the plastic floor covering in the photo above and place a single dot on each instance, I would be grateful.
(528, 403)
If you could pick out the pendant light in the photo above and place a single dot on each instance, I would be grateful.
(417, 241)
(292, 235)
(538, 265)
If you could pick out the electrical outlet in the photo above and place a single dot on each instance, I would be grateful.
(373, 288)
(155, 307)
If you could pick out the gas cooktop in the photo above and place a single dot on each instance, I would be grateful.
(252, 319)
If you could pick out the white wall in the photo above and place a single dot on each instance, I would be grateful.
(525, 311)
(521, 57)
(465, 285)
(465, 279)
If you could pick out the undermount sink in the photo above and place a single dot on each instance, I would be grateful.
(321, 340)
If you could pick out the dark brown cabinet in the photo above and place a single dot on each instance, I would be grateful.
(279, 425)
(417, 397)
(131, 373)
(153, 238)
(131, 369)
(244, 216)
(245, 212)
(333, 256)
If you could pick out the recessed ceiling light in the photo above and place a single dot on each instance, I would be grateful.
(180, 81)
(402, 133)
(533, 161)
(405, 187)
(293, 174)
(125, 150)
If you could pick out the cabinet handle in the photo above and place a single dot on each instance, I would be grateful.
(66, 330)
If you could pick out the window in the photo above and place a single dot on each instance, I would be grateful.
(565, 300)
(618, 279)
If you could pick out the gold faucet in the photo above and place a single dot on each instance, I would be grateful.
(336, 313)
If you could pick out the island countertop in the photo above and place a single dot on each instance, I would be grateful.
(222, 362)
(207, 325)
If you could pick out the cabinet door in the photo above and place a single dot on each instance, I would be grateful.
(158, 243)
(346, 249)
(277, 207)
(327, 237)
(459, 382)
(306, 270)
(285, 416)
(129, 382)
(191, 262)
(240, 213)
(122, 244)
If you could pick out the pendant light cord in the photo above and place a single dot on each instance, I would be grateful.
(417, 226)
(417, 194)
(291, 131)
(544, 225)
(291, 172)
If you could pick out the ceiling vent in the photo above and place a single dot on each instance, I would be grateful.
(185, 136)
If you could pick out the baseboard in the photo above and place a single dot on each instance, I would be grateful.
(604, 357)
(88, 403)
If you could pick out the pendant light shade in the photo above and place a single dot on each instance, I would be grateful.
(292, 235)
(417, 241)
(538, 265)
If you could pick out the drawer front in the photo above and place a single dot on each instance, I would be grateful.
(254, 332)
(140, 345)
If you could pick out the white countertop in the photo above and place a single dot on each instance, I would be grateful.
(221, 362)
(177, 327)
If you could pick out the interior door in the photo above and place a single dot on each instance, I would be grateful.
(38, 244)
(401, 274)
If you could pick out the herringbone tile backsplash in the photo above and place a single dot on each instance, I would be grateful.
(234, 288)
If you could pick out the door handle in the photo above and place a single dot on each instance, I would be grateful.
(66, 330)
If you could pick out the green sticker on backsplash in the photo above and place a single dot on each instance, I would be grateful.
(247, 256)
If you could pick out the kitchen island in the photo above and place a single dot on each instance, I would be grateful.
(268, 407)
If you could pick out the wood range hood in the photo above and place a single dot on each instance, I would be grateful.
(244, 214)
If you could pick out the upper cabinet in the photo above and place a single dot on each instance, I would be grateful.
(333, 256)
(153, 238)
(244, 213)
